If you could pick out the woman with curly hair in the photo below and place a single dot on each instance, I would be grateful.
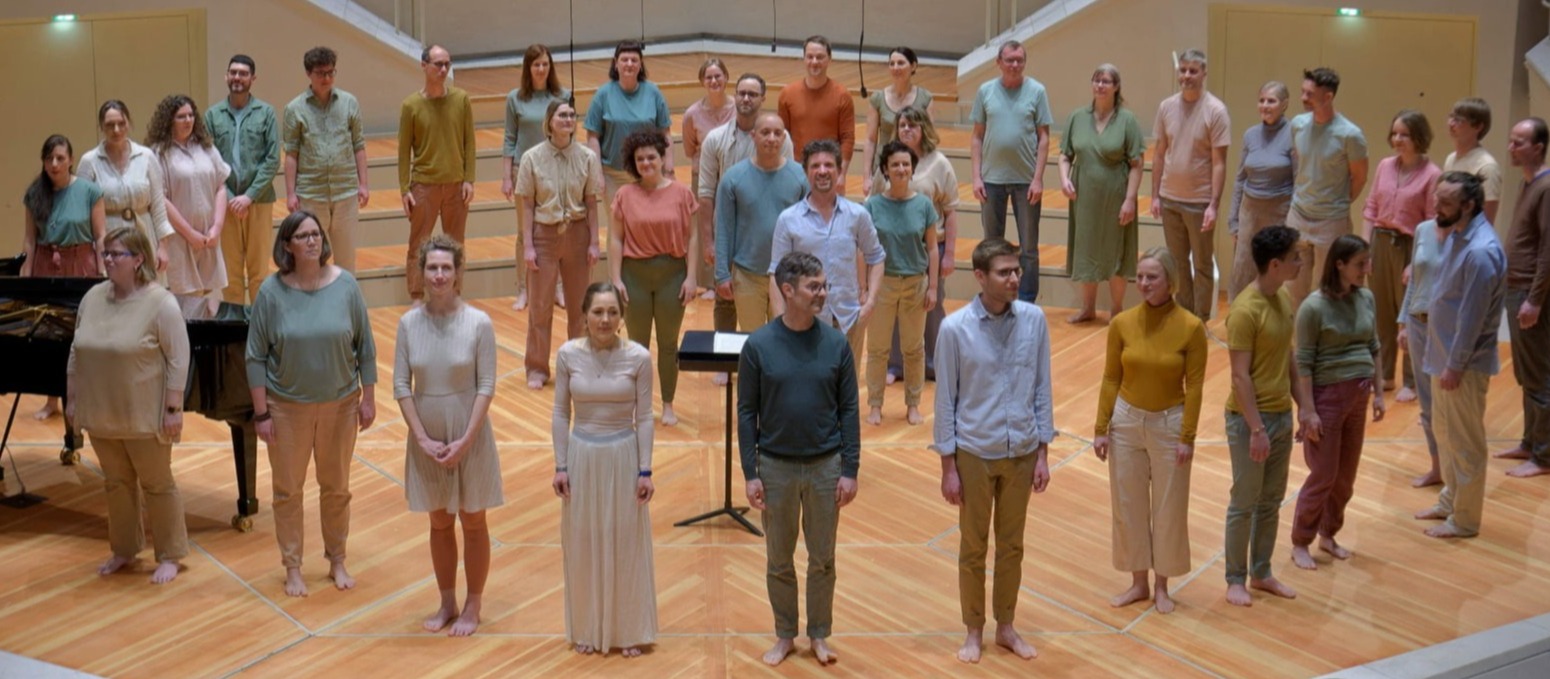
(193, 177)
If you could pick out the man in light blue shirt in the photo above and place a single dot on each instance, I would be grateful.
(1466, 309)
(837, 231)
(1331, 158)
(994, 421)
(1008, 151)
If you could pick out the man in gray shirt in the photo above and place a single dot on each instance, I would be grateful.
(994, 421)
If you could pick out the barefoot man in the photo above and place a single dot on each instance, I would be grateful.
(994, 422)
(1528, 288)
(1259, 413)
(799, 433)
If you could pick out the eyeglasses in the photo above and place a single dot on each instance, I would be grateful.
(306, 237)
(111, 255)
(325, 73)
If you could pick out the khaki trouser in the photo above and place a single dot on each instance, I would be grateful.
(653, 285)
(1194, 251)
(247, 245)
(1149, 490)
(995, 494)
(561, 257)
(304, 432)
(1458, 420)
(432, 201)
(339, 219)
(800, 495)
(1391, 251)
(1253, 214)
(901, 298)
(1254, 504)
(132, 467)
(751, 296)
(1313, 247)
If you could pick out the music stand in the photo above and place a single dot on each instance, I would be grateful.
(697, 353)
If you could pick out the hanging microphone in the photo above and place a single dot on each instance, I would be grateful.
(774, 26)
(860, 49)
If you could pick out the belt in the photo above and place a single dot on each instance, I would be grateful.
(1391, 233)
(128, 214)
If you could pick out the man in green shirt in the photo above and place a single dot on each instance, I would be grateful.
(247, 135)
(325, 155)
(435, 159)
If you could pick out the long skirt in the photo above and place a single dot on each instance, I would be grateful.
(610, 586)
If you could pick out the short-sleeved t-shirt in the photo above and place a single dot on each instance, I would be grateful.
(1324, 155)
(1012, 118)
(70, 222)
(1192, 132)
(615, 114)
(654, 222)
(1479, 162)
(1264, 325)
(901, 227)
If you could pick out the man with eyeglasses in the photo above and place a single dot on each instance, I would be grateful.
(435, 160)
(325, 155)
(247, 135)
(1189, 169)
(1008, 163)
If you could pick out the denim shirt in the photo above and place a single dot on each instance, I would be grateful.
(1467, 302)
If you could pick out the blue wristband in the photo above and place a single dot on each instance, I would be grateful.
(645, 474)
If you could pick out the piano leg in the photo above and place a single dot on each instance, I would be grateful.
(71, 453)
(244, 445)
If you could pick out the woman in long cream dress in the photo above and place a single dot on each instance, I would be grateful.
(194, 178)
(443, 379)
(603, 475)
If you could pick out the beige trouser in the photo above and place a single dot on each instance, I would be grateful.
(995, 493)
(132, 467)
(901, 298)
(1313, 247)
(304, 432)
(1254, 214)
(247, 245)
(751, 296)
(339, 219)
(855, 336)
(432, 201)
(1458, 420)
(1149, 491)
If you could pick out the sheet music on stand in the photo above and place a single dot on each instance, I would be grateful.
(707, 351)
(729, 342)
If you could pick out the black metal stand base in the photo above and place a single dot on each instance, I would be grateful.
(735, 512)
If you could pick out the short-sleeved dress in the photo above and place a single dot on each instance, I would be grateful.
(1101, 247)
(191, 174)
(132, 197)
(888, 119)
(444, 363)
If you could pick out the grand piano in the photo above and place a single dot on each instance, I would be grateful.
(37, 324)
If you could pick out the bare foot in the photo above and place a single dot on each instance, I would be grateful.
(1517, 453)
(719, 379)
(821, 650)
(913, 416)
(294, 584)
(709, 294)
(1275, 587)
(521, 303)
(1432, 513)
(113, 565)
(1446, 530)
(1082, 316)
(631, 652)
(1430, 478)
(584, 649)
(1526, 470)
(1238, 595)
(1303, 559)
(1405, 395)
(468, 620)
(1009, 639)
(1332, 548)
(536, 381)
(340, 576)
(1163, 601)
(50, 408)
(443, 615)
(1130, 596)
(778, 652)
(973, 644)
(669, 418)
(165, 572)
(874, 416)
(890, 378)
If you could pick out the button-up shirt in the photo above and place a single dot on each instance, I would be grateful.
(1467, 301)
(993, 396)
(249, 141)
(324, 137)
(725, 146)
(559, 181)
(1402, 202)
(801, 228)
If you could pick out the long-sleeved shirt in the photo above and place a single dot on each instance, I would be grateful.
(324, 137)
(310, 346)
(435, 139)
(823, 113)
(525, 120)
(993, 396)
(1467, 301)
(1337, 338)
(797, 397)
(611, 392)
(836, 243)
(1156, 360)
(1528, 242)
(1402, 201)
(749, 200)
(249, 141)
(724, 148)
(126, 355)
(1267, 169)
(1424, 261)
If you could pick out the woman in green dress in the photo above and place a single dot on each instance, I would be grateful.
(1100, 172)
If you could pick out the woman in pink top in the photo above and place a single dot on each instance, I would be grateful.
(648, 248)
(1402, 196)
(707, 114)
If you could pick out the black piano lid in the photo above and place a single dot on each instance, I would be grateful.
(61, 291)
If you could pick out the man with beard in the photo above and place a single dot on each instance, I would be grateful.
(247, 135)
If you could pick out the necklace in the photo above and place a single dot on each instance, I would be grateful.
(600, 366)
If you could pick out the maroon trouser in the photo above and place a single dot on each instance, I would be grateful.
(1342, 409)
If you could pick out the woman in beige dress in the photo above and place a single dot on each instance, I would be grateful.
(602, 474)
(443, 379)
(128, 366)
(130, 178)
(194, 179)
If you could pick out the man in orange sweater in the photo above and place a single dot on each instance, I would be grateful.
(817, 107)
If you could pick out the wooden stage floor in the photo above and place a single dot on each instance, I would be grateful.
(896, 612)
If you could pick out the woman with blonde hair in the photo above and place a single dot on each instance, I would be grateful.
(1262, 193)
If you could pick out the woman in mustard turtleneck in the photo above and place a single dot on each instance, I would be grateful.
(1153, 381)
